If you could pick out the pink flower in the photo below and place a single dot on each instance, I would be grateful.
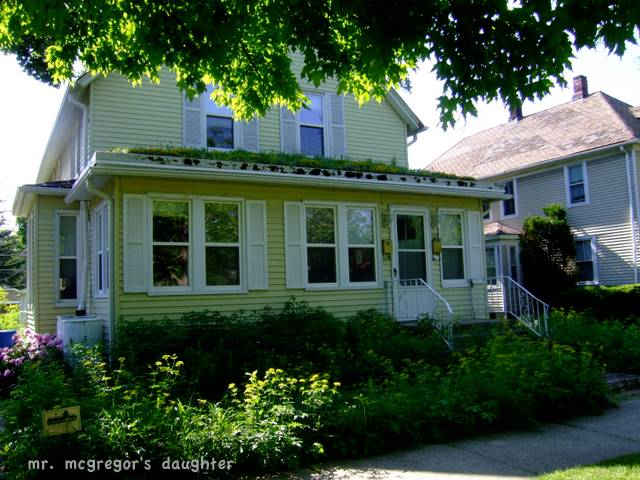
(8, 373)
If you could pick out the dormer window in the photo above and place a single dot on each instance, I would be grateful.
(312, 127)
(219, 126)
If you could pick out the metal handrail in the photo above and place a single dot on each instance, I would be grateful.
(525, 306)
(442, 323)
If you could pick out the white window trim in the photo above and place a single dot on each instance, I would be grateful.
(101, 214)
(490, 217)
(197, 245)
(204, 98)
(567, 186)
(515, 201)
(594, 258)
(342, 247)
(325, 124)
(458, 282)
(400, 210)
(69, 302)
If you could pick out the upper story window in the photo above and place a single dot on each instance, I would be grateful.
(585, 260)
(576, 182)
(67, 257)
(219, 125)
(509, 206)
(312, 127)
(452, 238)
(486, 210)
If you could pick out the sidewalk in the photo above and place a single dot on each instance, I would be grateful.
(506, 456)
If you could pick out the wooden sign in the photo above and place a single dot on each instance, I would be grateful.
(60, 421)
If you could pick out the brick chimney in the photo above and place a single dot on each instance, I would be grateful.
(580, 88)
(515, 114)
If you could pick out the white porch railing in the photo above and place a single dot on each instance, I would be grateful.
(415, 299)
(507, 296)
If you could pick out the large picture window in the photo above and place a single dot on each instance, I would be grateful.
(321, 245)
(452, 237)
(222, 244)
(170, 235)
(312, 131)
(67, 253)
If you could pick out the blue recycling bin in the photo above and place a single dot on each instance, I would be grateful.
(6, 338)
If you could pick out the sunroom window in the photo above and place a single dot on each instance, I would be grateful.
(222, 244)
(171, 243)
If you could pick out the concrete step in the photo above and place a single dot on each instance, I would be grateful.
(619, 382)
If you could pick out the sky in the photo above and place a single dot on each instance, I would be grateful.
(28, 110)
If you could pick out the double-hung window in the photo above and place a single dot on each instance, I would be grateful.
(312, 130)
(509, 205)
(340, 248)
(321, 245)
(219, 125)
(361, 246)
(486, 210)
(585, 260)
(67, 253)
(452, 238)
(101, 250)
(576, 178)
(491, 263)
(170, 242)
(222, 244)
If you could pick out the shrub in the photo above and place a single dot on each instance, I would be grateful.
(28, 347)
(618, 302)
(612, 343)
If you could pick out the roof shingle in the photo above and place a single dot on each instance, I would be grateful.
(593, 122)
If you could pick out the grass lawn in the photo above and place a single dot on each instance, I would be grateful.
(627, 468)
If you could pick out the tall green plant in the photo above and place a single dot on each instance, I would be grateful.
(548, 252)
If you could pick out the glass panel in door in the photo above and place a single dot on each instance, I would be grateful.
(411, 245)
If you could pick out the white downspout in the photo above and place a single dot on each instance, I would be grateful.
(632, 213)
(107, 198)
(83, 284)
(636, 192)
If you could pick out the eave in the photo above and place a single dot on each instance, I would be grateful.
(105, 165)
(25, 195)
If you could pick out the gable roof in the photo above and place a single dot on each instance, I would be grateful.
(580, 126)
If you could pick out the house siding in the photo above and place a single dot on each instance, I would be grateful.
(342, 302)
(606, 216)
(151, 115)
(126, 116)
(45, 316)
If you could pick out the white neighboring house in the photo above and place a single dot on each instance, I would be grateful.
(583, 154)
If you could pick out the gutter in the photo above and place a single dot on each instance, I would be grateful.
(109, 199)
(125, 164)
(25, 193)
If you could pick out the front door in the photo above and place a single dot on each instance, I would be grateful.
(410, 265)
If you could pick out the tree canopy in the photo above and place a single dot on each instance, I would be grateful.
(482, 49)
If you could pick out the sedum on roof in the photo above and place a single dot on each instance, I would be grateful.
(596, 121)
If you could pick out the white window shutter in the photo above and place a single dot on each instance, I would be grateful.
(248, 137)
(337, 127)
(289, 130)
(192, 123)
(475, 251)
(294, 253)
(134, 243)
(258, 278)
